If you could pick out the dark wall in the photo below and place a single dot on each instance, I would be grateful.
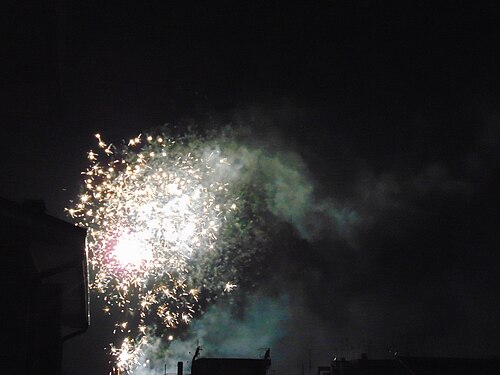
(46, 346)
(228, 366)
(31, 310)
(15, 290)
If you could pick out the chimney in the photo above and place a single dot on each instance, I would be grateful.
(180, 368)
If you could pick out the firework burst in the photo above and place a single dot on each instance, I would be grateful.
(152, 207)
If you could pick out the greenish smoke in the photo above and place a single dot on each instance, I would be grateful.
(284, 184)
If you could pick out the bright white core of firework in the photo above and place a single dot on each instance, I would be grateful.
(129, 251)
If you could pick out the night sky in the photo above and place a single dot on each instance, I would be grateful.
(391, 110)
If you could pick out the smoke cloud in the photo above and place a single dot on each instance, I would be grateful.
(379, 266)
(220, 332)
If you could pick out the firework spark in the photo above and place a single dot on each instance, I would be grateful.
(150, 208)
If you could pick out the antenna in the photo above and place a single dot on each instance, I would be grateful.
(196, 353)
(267, 353)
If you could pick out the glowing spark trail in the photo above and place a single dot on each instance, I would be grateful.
(150, 209)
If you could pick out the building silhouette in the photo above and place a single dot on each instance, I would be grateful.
(43, 287)
(414, 366)
(229, 366)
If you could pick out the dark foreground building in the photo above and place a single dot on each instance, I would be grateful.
(43, 288)
(417, 366)
(230, 366)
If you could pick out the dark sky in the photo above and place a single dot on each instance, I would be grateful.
(394, 108)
